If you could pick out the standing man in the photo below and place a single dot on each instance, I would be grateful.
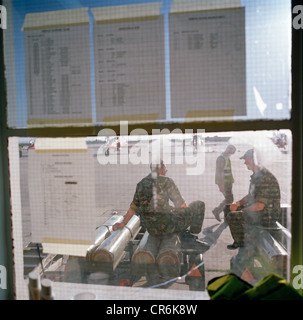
(224, 179)
(260, 207)
(151, 203)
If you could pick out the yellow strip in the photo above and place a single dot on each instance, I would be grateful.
(65, 241)
(132, 117)
(56, 26)
(131, 19)
(207, 10)
(209, 113)
(44, 121)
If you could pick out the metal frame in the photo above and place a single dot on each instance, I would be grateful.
(294, 124)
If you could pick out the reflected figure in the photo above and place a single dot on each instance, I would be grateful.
(260, 207)
(151, 203)
(212, 236)
(224, 179)
(164, 222)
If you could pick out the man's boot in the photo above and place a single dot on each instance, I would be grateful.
(191, 242)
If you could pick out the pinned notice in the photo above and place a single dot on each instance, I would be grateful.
(129, 63)
(57, 61)
(207, 61)
(62, 195)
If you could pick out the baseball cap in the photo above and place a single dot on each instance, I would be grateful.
(248, 154)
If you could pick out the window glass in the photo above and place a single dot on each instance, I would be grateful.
(73, 190)
(103, 63)
(69, 64)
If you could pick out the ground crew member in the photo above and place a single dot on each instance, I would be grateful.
(224, 179)
(260, 207)
(151, 203)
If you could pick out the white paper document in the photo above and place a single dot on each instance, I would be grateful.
(62, 195)
(129, 63)
(207, 63)
(57, 60)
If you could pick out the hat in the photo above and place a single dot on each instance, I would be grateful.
(248, 154)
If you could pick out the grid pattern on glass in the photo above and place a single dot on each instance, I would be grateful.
(68, 67)
(119, 164)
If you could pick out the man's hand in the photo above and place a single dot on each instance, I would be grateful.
(234, 206)
(118, 225)
(126, 218)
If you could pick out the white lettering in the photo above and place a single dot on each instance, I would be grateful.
(3, 16)
(298, 279)
(3, 279)
(140, 148)
(298, 20)
(123, 310)
(173, 309)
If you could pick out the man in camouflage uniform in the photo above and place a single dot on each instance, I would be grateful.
(224, 179)
(261, 207)
(151, 203)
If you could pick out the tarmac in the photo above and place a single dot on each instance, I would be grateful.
(115, 186)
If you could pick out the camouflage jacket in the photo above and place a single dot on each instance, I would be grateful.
(264, 188)
(151, 203)
(163, 188)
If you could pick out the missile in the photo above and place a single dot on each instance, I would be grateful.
(102, 233)
(169, 256)
(270, 248)
(111, 250)
(146, 251)
(158, 255)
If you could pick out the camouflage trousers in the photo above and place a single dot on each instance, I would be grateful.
(178, 220)
(228, 193)
(227, 201)
(242, 226)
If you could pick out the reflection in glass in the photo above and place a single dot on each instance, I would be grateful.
(120, 163)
